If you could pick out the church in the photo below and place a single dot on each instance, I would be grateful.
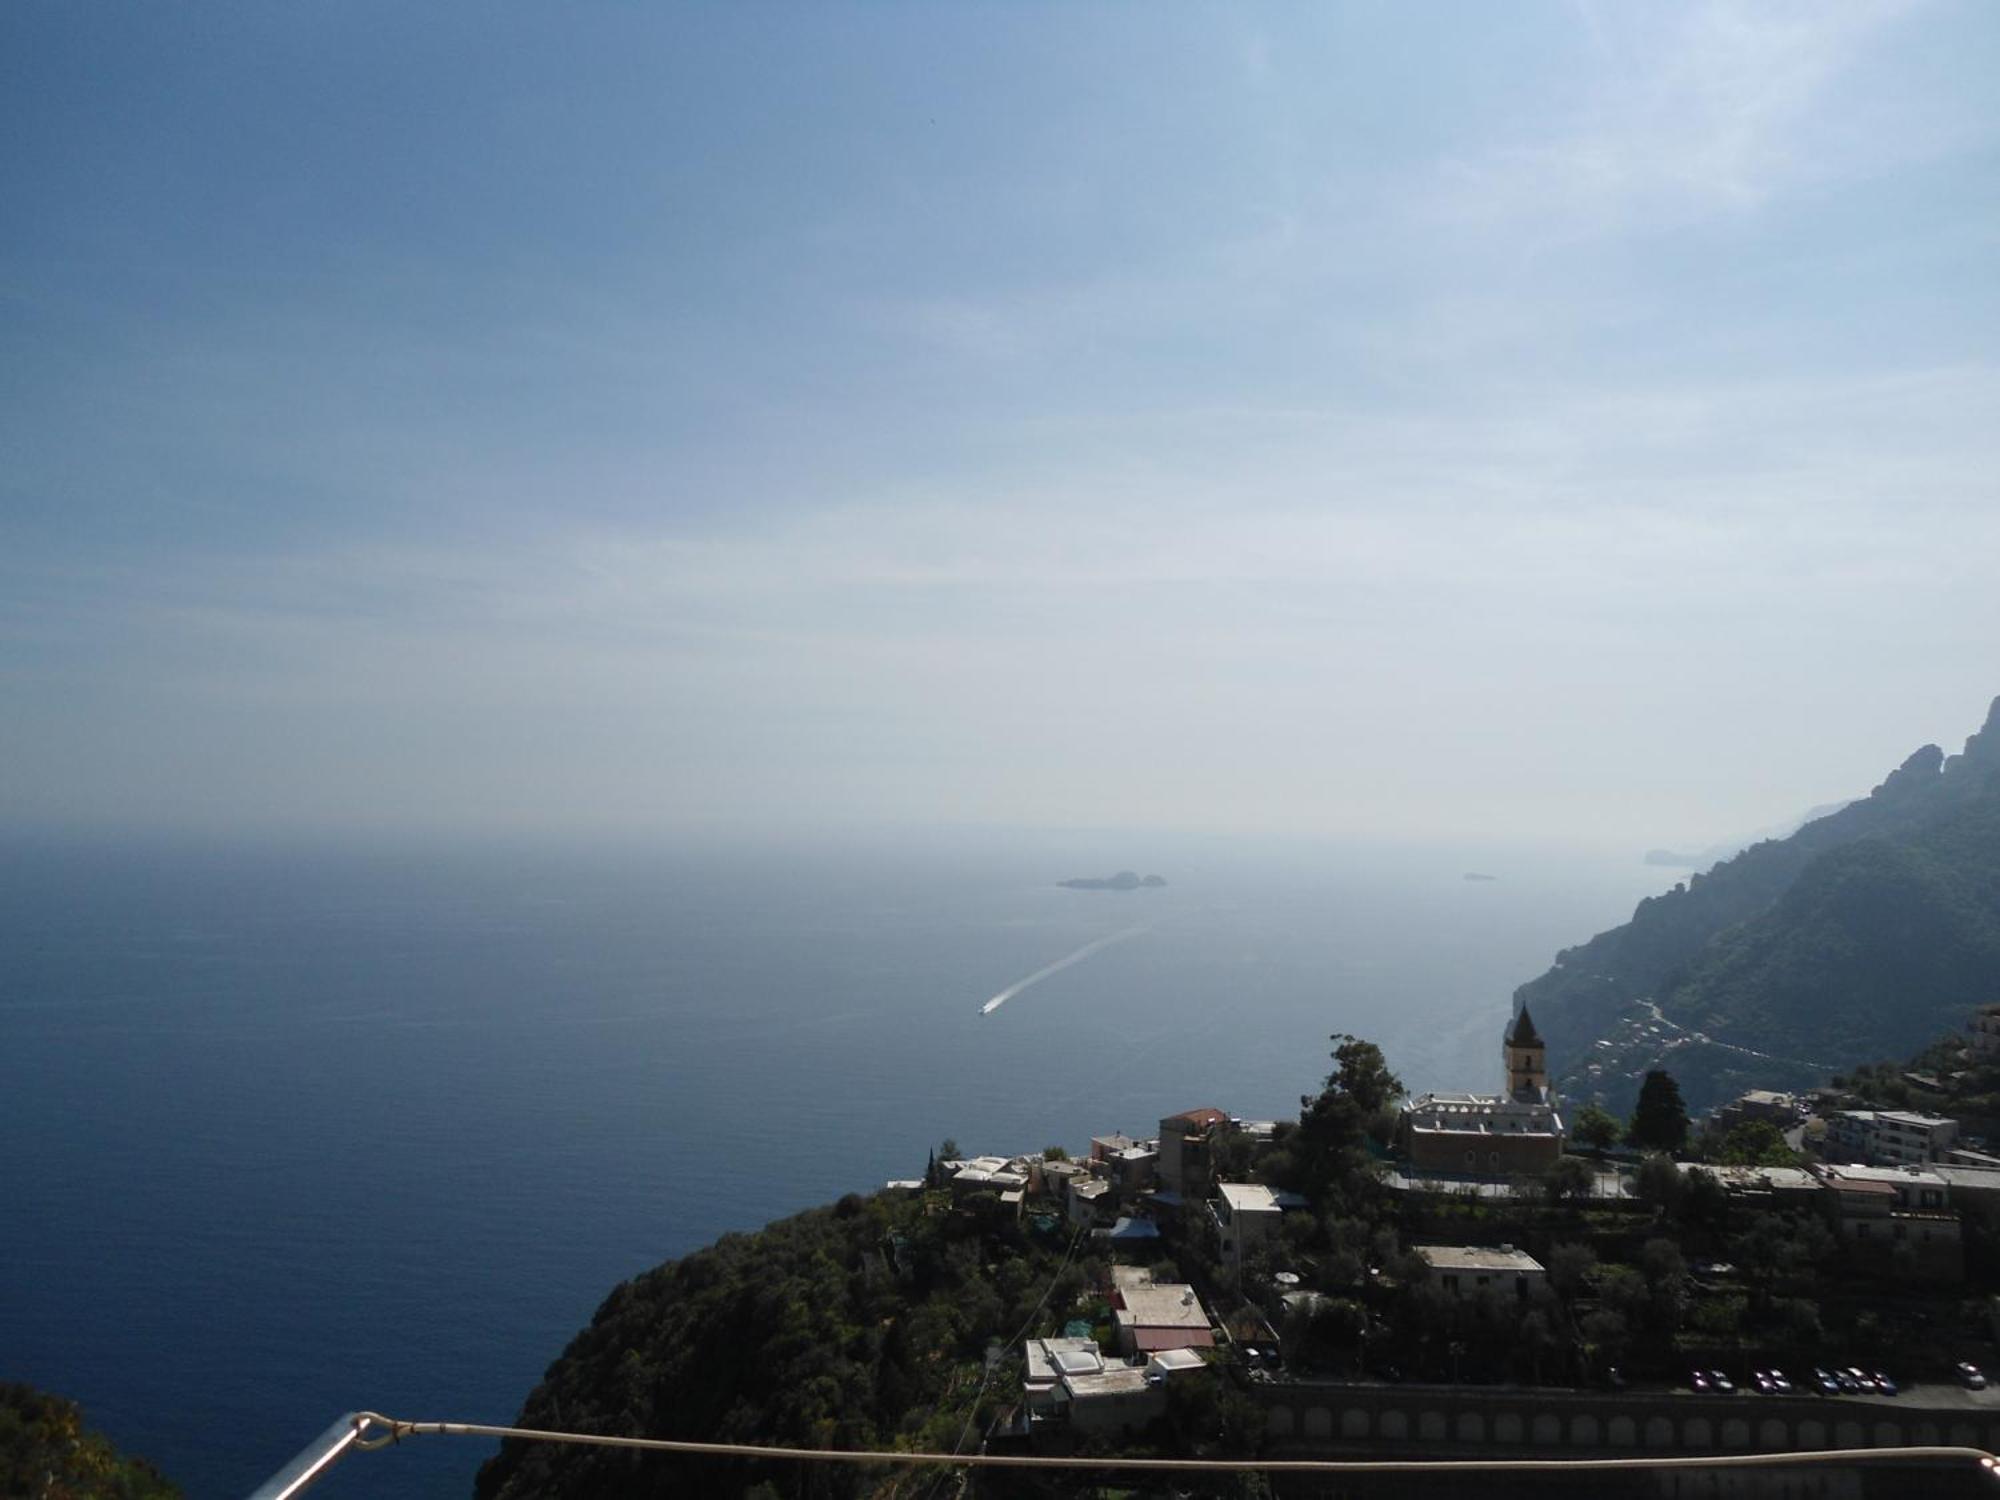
(1491, 1135)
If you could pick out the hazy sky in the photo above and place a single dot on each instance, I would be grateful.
(1557, 418)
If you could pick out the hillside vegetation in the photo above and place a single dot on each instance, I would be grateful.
(46, 1453)
(1864, 934)
(862, 1325)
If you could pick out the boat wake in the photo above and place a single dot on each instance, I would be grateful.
(1059, 965)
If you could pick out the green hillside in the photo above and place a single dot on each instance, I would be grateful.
(1862, 935)
(47, 1453)
(862, 1325)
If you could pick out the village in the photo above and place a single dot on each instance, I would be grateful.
(1789, 1249)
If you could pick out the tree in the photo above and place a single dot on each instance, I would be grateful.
(1359, 1089)
(1570, 1181)
(1356, 1102)
(1659, 1184)
(1596, 1128)
(1570, 1266)
(1705, 1205)
(1660, 1122)
(46, 1450)
(1756, 1143)
(1605, 1333)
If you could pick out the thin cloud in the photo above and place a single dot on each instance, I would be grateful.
(1691, 111)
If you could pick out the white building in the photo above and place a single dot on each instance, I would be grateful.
(1069, 1380)
(1246, 1215)
(1465, 1270)
(1985, 1029)
(1890, 1136)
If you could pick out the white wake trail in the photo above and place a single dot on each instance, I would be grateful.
(1059, 965)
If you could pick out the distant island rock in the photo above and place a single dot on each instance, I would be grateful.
(1477, 875)
(1124, 880)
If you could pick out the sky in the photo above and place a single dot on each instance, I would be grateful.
(1555, 420)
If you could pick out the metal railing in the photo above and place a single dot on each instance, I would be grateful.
(361, 1432)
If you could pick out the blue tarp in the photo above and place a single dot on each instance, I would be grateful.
(1132, 1229)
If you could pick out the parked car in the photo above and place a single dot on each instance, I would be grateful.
(1827, 1383)
(1771, 1382)
(1884, 1385)
(1849, 1386)
(1699, 1382)
(1864, 1383)
(1969, 1375)
(1614, 1378)
(1720, 1383)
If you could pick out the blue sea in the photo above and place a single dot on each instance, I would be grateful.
(288, 1130)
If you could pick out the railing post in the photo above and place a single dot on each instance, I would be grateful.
(312, 1461)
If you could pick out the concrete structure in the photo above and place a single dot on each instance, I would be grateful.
(1773, 1187)
(1465, 1270)
(1895, 1219)
(1185, 1139)
(1119, 1398)
(1781, 1110)
(1057, 1176)
(1132, 1169)
(1049, 1360)
(1169, 1362)
(1985, 1029)
(1307, 1419)
(1164, 1316)
(1490, 1135)
(1070, 1382)
(1888, 1136)
(1090, 1202)
(1975, 1190)
(1246, 1217)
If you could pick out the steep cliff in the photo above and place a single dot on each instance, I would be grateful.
(1862, 935)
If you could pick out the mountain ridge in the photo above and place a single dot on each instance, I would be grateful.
(1861, 935)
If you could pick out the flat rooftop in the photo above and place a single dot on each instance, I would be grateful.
(1170, 1305)
(1501, 1258)
(1248, 1197)
(1118, 1380)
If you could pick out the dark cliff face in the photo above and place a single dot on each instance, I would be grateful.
(1864, 934)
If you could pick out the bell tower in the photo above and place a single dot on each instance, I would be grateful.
(1527, 1060)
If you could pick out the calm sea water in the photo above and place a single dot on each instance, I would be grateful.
(286, 1132)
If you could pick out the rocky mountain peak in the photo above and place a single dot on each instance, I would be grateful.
(1919, 770)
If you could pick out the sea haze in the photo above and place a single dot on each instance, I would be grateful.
(294, 1131)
